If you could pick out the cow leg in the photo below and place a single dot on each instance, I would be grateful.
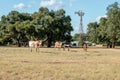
(36, 49)
(68, 48)
(64, 48)
(30, 49)
(58, 48)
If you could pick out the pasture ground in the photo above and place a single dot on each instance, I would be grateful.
(54, 64)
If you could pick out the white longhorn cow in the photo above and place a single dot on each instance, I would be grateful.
(35, 44)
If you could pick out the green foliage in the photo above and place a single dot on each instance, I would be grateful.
(108, 30)
(19, 27)
(54, 24)
(93, 32)
(113, 22)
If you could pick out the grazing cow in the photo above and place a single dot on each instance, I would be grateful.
(35, 44)
(66, 46)
(85, 47)
(59, 45)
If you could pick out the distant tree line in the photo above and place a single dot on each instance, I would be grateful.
(107, 31)
(16, 27)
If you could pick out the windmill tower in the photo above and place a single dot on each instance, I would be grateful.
(81, 32)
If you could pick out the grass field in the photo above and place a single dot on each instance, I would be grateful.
(54, 64)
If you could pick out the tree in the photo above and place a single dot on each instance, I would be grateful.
(19, 27)
(93, 32)
(13, 27)
(53, 24)
(102, 31)
(108, 29)
(113, 23)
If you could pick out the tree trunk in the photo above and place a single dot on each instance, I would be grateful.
(49, 38)
(110, 45)
(113, 45)
(49, 43)
(18, 43)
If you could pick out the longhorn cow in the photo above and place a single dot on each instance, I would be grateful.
(36, 44)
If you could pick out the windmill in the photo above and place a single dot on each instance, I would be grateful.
(81, 32)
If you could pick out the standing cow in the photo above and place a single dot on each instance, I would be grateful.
(35, 44)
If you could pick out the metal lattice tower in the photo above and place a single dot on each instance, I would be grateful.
(81, 32)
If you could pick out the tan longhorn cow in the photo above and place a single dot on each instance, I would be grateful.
(59, 45)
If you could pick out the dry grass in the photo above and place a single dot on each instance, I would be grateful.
(54, 64)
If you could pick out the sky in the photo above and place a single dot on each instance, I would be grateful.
(93, 9)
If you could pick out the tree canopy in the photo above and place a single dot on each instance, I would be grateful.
(108, 29)
(17, 27)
